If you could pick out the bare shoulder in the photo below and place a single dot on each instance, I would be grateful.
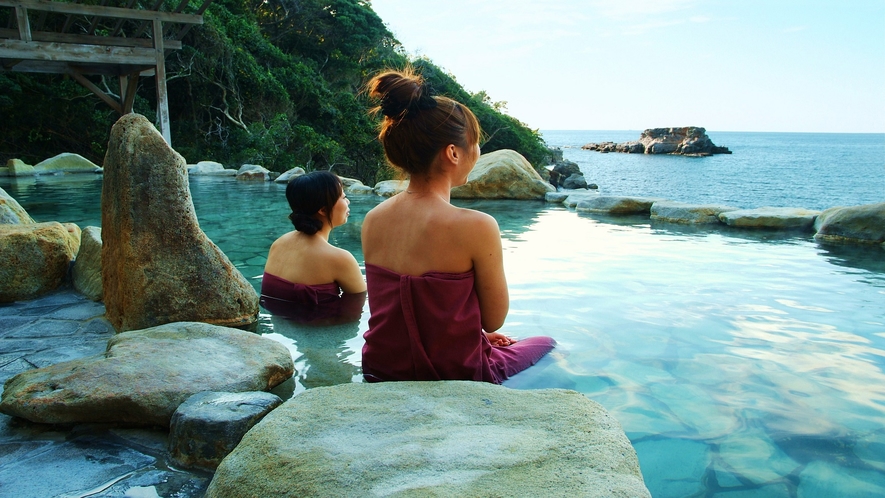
(481, 223)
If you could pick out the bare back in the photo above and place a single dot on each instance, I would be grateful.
(311, 260)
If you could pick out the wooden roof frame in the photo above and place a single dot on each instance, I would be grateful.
(143, 53)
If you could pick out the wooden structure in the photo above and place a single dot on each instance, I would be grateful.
(78, 39)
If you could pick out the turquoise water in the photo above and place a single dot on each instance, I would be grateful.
(739, 363)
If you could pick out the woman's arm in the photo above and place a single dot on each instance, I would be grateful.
(348, 273)
(484, 240)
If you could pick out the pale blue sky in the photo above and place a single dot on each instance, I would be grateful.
(727, 65)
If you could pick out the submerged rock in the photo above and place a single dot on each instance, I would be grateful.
(678, 212)
(210, 168)
(449, 438)
(209, 425)
(607, 204)
(35, 257)
(145, 374)
(86, 273)
(157, 264)
(503, 174)
(770, 217)
(857, 224)
(11, 212)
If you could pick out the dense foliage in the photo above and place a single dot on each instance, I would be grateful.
(271, 82)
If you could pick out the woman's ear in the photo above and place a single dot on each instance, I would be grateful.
(450, 153)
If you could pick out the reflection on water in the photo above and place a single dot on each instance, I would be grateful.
(740, 363)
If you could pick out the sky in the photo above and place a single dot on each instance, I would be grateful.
(726, 65)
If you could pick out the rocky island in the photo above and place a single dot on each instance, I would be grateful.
(687, 141)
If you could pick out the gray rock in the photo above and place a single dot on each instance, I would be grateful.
(575, 181)
(253, 172)
(688, 141)
(34, 258)
(349, 182)
(210, 168)
(86, 272)
(209, 425)
(157, 264)
(359, 190)
(433, 439)
(289, 175)
(576, 196)
(562, 170)
(555, 196)
(144, 375)
(503, 174)
(66, 163)
(389, 188)
(17, 167)
(770, 217)
(11, 212)
(857, 224)
(605, 204)
(678, 212)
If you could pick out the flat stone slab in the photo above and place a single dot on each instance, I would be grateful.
(857, 224)
(771, 217)
(678, 212)
(452, 438)
(144, 375)
(608, 204)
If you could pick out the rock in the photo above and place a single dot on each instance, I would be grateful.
(35, 258)
(86, 273)
(253, 172)
(359, 190)
(289, 175)
(144, 375)
(389, 188)
(349, 182)
(11, 212)
(209, 425)
(770, 217)
(555, 196)
(576, 196)
(66, 163)
(575, 181)
(449, 438)
(562, 170)
(16, 167)
(678, 212)
(210, 168)
(157, 264)
(605, 204)
(503, 174)
(858, 224)
(687, 141)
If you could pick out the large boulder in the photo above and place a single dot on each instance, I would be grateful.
(562, 170)
(389, 188)
(209, 425)
(11, 212)
(678, 212)
(86, 272)
(503, 174)
(857, 224)
(608, 204)
(66, 163)
(144, 375)
(770, 217)
(17, 167)
(253, 172)
(289, 175)
(35, 257)
(157, 264)
(449, 438)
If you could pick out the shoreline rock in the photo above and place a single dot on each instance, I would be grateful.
(686, 141)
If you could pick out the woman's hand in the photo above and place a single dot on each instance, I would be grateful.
(499, 339)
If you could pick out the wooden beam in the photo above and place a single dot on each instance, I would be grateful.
(59, 67)
(128, 87)
(94, 10)
(116, 41)
(24, 26)
(162, 96)
(95, 54)
(97, 91)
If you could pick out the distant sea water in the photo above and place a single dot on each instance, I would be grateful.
(804, 170)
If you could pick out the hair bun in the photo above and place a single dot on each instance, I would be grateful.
(402, 94)
(305, 223)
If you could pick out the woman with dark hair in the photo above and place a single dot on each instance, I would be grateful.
(435, 272)
(306, 278)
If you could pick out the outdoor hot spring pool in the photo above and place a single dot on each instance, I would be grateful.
(746, 363)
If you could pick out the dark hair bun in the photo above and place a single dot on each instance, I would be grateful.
(402, 94)
(305, 223)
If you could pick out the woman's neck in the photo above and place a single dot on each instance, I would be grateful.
(439, 186)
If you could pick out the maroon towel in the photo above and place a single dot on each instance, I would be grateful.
(322, 304)
(429, 328)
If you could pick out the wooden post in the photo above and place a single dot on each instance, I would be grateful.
(128, 86)
(160, 77)
(24, 26)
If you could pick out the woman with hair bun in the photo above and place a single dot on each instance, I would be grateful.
(435, 272)
(306, 278)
